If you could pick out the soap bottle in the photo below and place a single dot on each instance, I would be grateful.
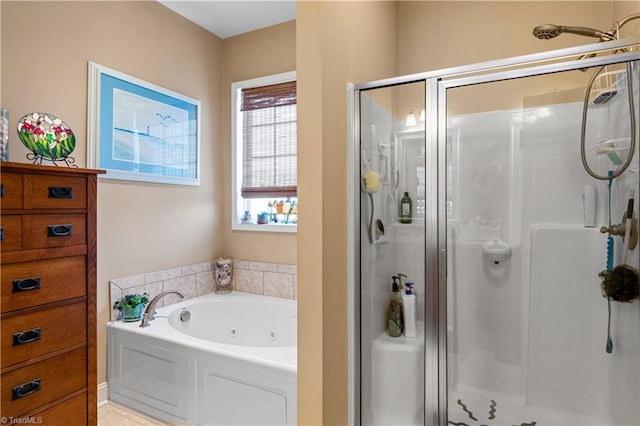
(409, 311)
(405, 209)
(394, 320)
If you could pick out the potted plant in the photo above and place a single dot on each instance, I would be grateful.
(131, 306)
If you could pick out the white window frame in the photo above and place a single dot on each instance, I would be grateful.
(236, 154)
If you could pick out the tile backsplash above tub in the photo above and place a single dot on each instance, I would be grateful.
(270, 279)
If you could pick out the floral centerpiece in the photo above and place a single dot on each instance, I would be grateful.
(131, 306)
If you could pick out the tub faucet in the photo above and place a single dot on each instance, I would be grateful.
(150, 310)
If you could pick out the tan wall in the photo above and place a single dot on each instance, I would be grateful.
(354, 41)
(1, 98)
(441, 34)
(310, 231)
(256, 54)
(337, 43)
(145, 227)
(623, 8)
(474, 31)
(141, 227)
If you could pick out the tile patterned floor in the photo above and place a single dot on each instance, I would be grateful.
(115, 415)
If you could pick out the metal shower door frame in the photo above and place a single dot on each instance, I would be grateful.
(436, 85)
(524, 70)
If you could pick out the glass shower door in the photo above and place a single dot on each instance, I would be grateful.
(527, 322)
(392, 247)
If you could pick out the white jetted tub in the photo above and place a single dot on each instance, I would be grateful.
(231, 360)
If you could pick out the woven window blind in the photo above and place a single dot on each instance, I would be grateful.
(269, 154)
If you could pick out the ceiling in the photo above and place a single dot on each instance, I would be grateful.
(227, 18)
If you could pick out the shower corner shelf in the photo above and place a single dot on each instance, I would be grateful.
(607, 85)
(605, 146)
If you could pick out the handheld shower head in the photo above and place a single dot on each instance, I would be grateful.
(547, 31)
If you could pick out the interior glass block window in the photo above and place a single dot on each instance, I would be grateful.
(265, 153)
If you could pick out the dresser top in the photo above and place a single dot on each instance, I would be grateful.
(37, 168)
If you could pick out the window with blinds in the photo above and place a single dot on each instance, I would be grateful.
(269, 144)
(264, 154)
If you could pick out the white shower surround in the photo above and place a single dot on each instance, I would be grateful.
(527, 347)
(499, 348)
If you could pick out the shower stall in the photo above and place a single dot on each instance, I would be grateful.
(521, 243)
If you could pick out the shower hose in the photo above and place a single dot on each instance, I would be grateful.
(609, 344)
(611, 174)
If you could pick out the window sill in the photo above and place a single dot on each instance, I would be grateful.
(269, 227)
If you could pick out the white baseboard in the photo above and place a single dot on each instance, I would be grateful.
(103, 394)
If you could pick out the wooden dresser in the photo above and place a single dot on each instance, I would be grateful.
(48, 299)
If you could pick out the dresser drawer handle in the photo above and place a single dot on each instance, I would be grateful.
(60, 192)
(1, 233)
(1, 190)
(26, 284)
(60, 230)
(25, 389)
(28, 336)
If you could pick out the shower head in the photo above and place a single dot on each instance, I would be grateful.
(547, 31)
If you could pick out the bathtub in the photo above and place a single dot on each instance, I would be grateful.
(213, 360)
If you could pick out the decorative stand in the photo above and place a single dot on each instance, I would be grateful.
(38, 159)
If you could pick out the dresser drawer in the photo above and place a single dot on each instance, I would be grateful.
(10, 233)
(53, 230)
(11, 191)
(38, 333)
(30, 387)
(72, 412)
(35, 283)
(57, 192)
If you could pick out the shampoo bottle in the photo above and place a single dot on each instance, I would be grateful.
(405, 209)
(394, 320)
(409, 310)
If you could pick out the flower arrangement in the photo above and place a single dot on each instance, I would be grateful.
(131, 300)
(131, 305)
